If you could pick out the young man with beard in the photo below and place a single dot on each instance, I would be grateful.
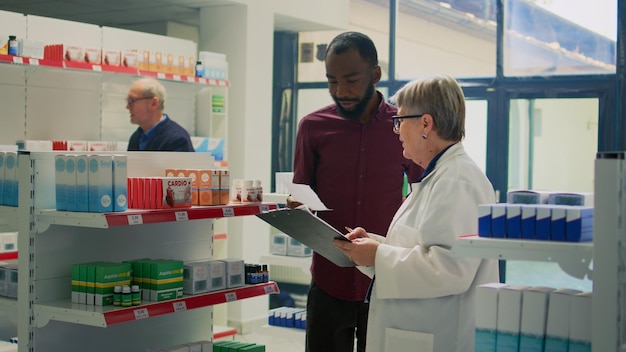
(349, 155)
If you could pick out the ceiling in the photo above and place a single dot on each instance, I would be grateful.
(114, 13)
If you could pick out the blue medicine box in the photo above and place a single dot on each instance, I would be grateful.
(543, 220)
(528, 219)
(579, 224)
(498, 220)
(484, 220)
(513, 221)
(557, 226)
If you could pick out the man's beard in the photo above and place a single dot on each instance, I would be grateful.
(359, 108)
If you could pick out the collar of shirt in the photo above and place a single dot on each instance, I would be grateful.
(432, 163)
(146, 136)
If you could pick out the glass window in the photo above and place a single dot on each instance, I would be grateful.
(457, 37)
(552, 144)
(557, 37)
(475, 142)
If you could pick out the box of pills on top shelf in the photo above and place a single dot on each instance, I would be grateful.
(513, 221)
(579, 224)
(120, 190)
(195, 276)
(60, 181)
(77, 146)
(93, 56)
(100, 183)
(129, 59)
(557, 324)
(8, 242)
(82, 183)
(543, 221)
(296, 249)
(527, 197)
(557, 222)
(166, 279)
(234, 272)
(176, 192)
(581, 199)
(534, 313)
(70, 185)
(484, 220)
(498, 220)
(527, 222)
(217, 275)
(278, 245)
(509, 317)
(224, 187)
(580, 323)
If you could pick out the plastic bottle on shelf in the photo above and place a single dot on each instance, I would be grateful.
(127, 299)
(235, 192)
(12, 45)
(248, 192)
(135, 295)
(117, 295)
(259, 191)
(199, 69)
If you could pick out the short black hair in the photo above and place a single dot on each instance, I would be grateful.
(354, 40)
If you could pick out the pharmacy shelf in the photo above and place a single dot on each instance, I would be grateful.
(574, 258)
(103, 316)
(8, 256)
(74, 65)
(45, 218)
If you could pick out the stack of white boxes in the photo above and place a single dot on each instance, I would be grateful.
(520, 318)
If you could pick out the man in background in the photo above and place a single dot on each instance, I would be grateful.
(156, 131)
(349, 155)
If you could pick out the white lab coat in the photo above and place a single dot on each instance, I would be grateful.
(423, 295)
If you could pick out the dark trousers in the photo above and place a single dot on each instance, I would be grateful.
(332, 323)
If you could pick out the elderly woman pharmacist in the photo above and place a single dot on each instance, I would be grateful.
(422, 297)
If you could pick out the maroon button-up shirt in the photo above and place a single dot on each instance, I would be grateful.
(357, 170)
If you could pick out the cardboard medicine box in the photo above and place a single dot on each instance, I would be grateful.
(195, 277)
(100, 183)
(176, 192)
(166, 279)
(234, 272)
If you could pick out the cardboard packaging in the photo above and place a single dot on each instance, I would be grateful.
(534, 317)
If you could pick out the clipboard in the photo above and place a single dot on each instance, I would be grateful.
(310, 230)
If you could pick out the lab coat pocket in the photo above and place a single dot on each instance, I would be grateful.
(404, 340)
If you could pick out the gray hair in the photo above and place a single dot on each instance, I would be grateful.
(153, 88)
(441, 97)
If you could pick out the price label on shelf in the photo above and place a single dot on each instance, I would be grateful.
(269, 289)
(18, 60)
(264, 208)
(141, 313)
(33, 62)
(231, 296)
(96, 68)
(182, 216)
(191, 79)
(135, 219)
(180, 306)
(176, 77)
(227, 212)
(161, 75)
